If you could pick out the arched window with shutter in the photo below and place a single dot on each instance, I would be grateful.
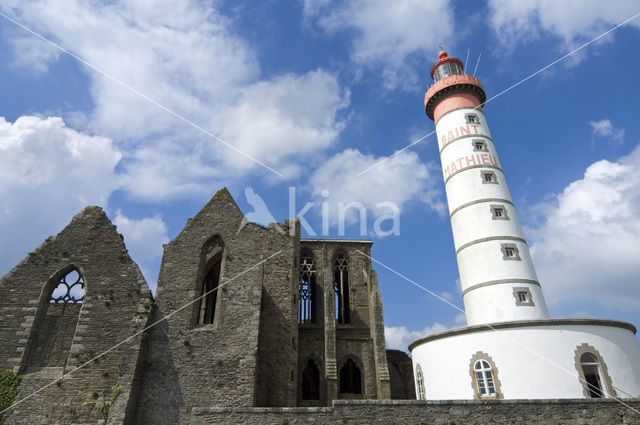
(593, 373)
(484, 376)
(420, 383)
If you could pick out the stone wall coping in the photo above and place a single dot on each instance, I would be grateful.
(521, 324)
(197, 411)
(365, 241)
(337, 403)
(200, 411)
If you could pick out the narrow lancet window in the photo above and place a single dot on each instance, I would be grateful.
(307, 288)
(311, 381)
(341, 288)
(210, 283)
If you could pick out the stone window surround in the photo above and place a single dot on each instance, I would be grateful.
(484, 148)
(212, 250)
(322, 383)
(346, 268)
(602, 369)
(359, 365)
(505, 214)
(494, 178)
(516, 252)
(29, 327)
(311, 270)
(468, 121)
(479, 355)
(529, 302)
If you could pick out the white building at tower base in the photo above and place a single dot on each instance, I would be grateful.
(530, 359)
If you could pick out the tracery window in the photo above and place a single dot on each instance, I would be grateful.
(307, 288)
(420, 383)
(341, 288)
(70, 289)
(350, 378)
(311, 381)
(56, 319)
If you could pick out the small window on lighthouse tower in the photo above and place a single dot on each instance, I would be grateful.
(489, 177)
(479, 146)
(510, 251)
(523, 297)
(498, 212)
(471, 118)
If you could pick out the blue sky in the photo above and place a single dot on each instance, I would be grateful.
(320, 91)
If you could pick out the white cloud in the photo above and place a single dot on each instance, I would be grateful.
(180, 53)
(282, 118)
(399, 337)
(184, 55)
(460, 319)
(48, 173)
(33, 55)
(587, 248)
(604, 128)
(388, 32)
(401, 180)
(144, 239)
(174, 168)
(570, 21)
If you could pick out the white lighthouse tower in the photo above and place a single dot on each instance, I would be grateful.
(511, 347)
(493, 256)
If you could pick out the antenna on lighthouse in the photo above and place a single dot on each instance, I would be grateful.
(474, 71)
(467, 60)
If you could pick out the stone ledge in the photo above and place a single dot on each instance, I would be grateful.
(521, 324)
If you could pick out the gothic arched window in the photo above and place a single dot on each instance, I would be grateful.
(341, 288)
(70, 289)
(55, 324)
(311, 381)
(350, 378)
(209, 282)
(307, 288)
(420, 383)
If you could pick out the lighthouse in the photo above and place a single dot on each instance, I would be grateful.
(511, 348)
(497, 277)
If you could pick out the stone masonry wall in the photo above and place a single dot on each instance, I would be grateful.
(278, 339)
(190, 364)
(415, 412)
(115, 307)
(401, 372)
